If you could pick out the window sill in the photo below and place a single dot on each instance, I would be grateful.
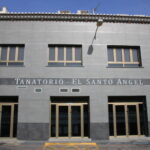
(124, 67)
(12, 66)
(65, 66)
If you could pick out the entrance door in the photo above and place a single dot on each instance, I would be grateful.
(8, 119)
(126, 119)
(69, 120)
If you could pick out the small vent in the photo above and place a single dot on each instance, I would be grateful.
(75, 90)
(64, 12)
(64, 90)
(83, 12)
(38, 90)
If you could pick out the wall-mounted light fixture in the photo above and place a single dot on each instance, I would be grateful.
(99, 22)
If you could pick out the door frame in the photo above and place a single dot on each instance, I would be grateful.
(69, 105)
(11, 117)
(126, 104)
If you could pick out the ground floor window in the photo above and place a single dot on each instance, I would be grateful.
(127, 118)
(8, 118)
(69, 119)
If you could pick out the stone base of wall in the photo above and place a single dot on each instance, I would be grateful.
(33, 131)
(99, 131)
(40, 131)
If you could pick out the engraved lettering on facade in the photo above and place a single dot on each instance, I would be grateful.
(77, 81)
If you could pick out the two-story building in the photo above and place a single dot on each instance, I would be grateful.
(81, 75)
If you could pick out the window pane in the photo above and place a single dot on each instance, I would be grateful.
(78, 53)
(135, 55)
(52, 53)
(132, 117)
(86, 120)
(111, 123)
(63, 121)
(56, 64)
(21, 53)
(110, 54)
(69, 53)
(73, 64)
(12, 53)
(60, 53)
(142, 118)
(4, 53)
(53, 120)
(76, 120)
(15, 64)
(5, 121)
(65, 53)
(115, 65)
(119, 54)
(15, 120)
(127, 55)
(131, 65)
(120, 120)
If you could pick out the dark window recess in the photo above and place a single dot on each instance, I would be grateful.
(38, 90)
(65, 56)
(11, 55)
(124, 56)
(75, 90)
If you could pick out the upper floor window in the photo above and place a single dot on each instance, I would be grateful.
(124, 56)
(65, 55)
(11, 55)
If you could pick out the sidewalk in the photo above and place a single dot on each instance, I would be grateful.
(142, 143)
(126, 140)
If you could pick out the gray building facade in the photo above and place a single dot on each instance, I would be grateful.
(74, 75)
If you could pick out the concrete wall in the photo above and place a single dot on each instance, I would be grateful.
(33, 115)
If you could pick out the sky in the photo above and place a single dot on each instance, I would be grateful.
(131, 7)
